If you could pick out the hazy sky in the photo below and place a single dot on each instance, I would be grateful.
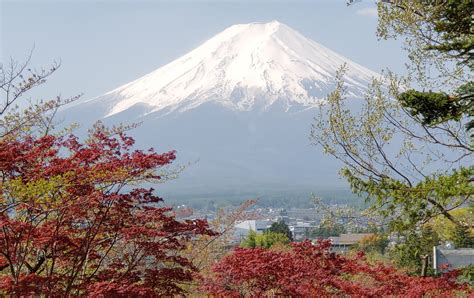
(104, 44)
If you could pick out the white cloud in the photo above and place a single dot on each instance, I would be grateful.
(367, 12)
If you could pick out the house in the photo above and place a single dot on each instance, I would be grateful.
(344, 242)
(451, 258)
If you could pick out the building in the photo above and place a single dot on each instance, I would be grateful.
(301, 230)
(242, 228)
(344, 242)
(450, 258)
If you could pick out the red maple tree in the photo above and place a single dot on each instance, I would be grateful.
(74, 222)
(309, 270)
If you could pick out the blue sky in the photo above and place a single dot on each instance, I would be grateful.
(104, 44)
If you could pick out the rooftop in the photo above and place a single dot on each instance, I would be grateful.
(349, 239)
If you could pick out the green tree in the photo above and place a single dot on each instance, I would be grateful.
(468, 274)
(443, 26)
(250, 240)
(373, 243)
(282, 228)
(414, 252)
(462, 238)
(448, 232)
(439, 32)
(328, 228)
(427, 175)
(264, 240)
(268, 239)
(437, 107)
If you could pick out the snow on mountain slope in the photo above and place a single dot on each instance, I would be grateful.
(244, 67)
(237, 109)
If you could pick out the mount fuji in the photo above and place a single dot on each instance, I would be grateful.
(238, 108)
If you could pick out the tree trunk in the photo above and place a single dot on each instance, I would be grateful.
(424, 265)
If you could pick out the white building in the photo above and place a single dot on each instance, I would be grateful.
(301, 229)
(242, 228)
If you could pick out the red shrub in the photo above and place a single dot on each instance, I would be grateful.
(72, 223)
(313, 271)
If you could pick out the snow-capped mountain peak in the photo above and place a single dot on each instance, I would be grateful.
(241, 104)
(244, 67)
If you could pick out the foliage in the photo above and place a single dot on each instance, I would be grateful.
(355, 220)
(468, 274)
(433, 30)
(250, 241)
(373, 243)
(282, 228)
(204, 250)
(309, 270)
(16, 80)
(369, 228)
(72, 225)
(427, 176)
(439, 107)
(439, 34)
(264, 240)
(416, 246)
(328, 228)
(418, 203)
(268, 239)
(74, 221)
(411, 184)
(453, 23)
(460, 236)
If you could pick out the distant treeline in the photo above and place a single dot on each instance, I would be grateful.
(274, 199)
